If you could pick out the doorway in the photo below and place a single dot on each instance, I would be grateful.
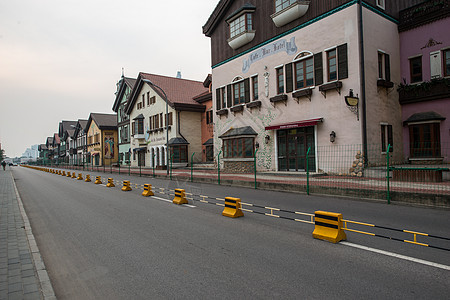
(293, 146)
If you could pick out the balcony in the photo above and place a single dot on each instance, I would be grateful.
(423, 13)
(290, 13)
(426, 91)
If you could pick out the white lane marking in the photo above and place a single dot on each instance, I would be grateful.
(167, 200)
(416, 260)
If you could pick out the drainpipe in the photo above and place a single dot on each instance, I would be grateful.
(362, 76)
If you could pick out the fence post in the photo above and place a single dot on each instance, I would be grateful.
(140, 169)
(307, 171)
(171, 161)
(218, 167)
(192, 164)
(254, 156)
(387, 174)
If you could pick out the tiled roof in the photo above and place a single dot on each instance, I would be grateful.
(178, 90)
(103, 121)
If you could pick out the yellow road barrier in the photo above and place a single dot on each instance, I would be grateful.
(180, 197)
(88, 178)
(110, 182)
(63, 173)
(328, 226)
(74, 175)
(98, 180)
(68, 174)
(232, 208)
(80, 176)
(147, 190)
(126, 186)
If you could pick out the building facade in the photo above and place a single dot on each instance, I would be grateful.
(298, 78)
(80, 137)
(163, 114)
(425, 89)
(101, 132)
(124, 87)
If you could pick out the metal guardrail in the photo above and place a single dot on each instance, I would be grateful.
(414, 233)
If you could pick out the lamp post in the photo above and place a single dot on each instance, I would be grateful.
(167, 121)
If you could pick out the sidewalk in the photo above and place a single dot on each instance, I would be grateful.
(22, 272)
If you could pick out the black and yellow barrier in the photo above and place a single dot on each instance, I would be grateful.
(147, 190)
(80, 176)
(74, 175)
(328, 226)
(68, 174)
(126, 186)
(180, 197)
(98, 180)
(63, 173)
(88, 178)
(110, 182)
(232, 208)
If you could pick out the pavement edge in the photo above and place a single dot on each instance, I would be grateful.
(44, 280)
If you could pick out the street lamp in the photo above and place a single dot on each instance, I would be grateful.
(167, 121)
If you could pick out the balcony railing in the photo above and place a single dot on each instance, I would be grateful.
(429, 90)
(423, 13)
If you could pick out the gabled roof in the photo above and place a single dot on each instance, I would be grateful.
(203, 97)
(56, 139)
(215, 17)
(42, 147)
(81, 125)
(180, 92)
(49, 141)
(65, 125)
(103, 121)
(124, 83)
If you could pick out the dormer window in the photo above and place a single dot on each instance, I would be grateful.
(287, 11)
(241, 26)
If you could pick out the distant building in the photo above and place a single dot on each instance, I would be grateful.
(31, 152)
(101, 131)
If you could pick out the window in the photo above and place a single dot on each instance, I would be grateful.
(170, 119)
(304, 73)
(152, 100)
(161, 122)
(380, 65)
(280, 81)
(209, 117)
(332, 65)
(238, 147)
(238, 93)
(179, 153)
(255, 87)
(415, 65)
(221, 100)
(384, 66)
(380, 4)
(446, 62)
(148, 98)
(133, 128)
(282, 4)
(240, 24)
(424, 140)
(139, 124)
(386, 138)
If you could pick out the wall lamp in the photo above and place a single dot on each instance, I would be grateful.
(332, 136)
(267, 139)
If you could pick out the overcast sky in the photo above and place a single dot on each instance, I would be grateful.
(61, 59)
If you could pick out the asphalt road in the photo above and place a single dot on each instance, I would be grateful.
(102, 243)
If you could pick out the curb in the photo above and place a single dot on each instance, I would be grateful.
(44, 281)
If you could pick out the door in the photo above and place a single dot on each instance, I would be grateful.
(293, 145)
(141, 158)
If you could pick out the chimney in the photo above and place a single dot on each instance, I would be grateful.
(179, 74)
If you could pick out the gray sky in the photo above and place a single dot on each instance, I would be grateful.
(60, 59)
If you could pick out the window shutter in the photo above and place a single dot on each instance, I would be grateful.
(207, 117)
(318, 69)
(342, 61)
(390, 138)
(289, 81)
(387, 67)
(247, 90)
(218, 99)
(229, 96)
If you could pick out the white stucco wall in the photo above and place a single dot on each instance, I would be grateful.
(334, 30)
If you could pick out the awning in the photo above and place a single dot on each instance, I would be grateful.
(424, 116)
(233, 132)
(209, 142)
(178, 141)
(140, 149)
(95, 153)
(303, 123)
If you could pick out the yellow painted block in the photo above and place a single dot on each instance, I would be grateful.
(232, 208)
(147, 190)
(328, 227)
(180, 197)
(110, 183)
(88, 178)
(126, 186)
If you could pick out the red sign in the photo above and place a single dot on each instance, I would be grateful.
(297, 124)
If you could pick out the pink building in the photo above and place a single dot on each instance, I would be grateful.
(425, 89)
